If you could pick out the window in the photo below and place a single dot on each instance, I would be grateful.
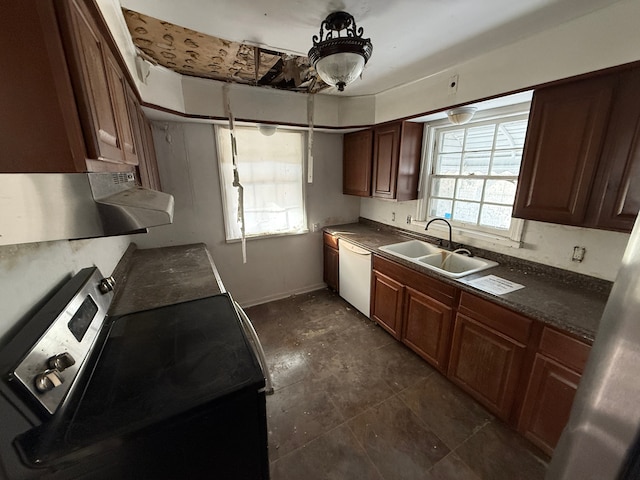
(473, 173)
(271, 171)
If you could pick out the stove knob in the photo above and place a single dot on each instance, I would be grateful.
(107, 284)
(48, 380)
(61, 362)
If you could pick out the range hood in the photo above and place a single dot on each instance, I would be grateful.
(39, 207)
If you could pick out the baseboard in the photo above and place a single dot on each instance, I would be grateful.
(280, 296)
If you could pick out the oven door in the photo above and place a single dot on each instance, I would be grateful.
(175, 393)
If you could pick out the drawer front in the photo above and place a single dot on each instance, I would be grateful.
(330, 240)
(568, 350)
(446, 294)
(501, 319)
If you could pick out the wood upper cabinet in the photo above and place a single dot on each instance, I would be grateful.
(581, 160)
(616, 195)
(64, 103)
(356, 163)
(331, 261)
(39, 125)
(488, 352)
(552, 386)
(99, 88)
(397, 148)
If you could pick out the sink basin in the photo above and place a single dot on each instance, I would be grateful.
(446, 263)
(411, 249)
(455, 265)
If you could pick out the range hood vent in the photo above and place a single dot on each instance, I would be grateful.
(43, 207)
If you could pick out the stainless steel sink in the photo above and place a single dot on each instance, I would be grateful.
(446, 263)
(411, 249)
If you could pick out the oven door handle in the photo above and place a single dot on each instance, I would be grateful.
(255, 341)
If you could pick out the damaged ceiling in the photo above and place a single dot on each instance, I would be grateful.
(193, 53)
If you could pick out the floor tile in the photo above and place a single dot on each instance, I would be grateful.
(447, 411)
(353, 403)
(396, 441)
(451, 468)
(335, 455)
(298, 414)
(400, 366)
(495, 452)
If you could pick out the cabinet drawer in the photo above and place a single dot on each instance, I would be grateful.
(568, 350)
(330, 240)
(499, 318)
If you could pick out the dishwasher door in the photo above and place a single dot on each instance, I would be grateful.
(355, 275)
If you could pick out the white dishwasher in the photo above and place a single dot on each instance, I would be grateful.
(355, 275)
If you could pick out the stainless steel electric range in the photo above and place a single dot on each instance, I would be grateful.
(175, 392)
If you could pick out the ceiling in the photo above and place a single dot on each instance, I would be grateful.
(412, 39)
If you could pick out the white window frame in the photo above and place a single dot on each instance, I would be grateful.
(220, 136)
(463, 231)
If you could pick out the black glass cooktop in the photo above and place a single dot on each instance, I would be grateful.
(155, 366)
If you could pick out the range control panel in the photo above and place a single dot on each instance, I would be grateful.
(50, 368)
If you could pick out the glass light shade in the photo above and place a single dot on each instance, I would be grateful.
(461, 115)
(340, 69)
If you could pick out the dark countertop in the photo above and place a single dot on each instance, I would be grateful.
(567, 300)
(158, 277)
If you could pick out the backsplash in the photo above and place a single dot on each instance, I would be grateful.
(543, 243)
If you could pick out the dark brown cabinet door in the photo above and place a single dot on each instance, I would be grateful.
(566, 132)
(85, 48)
(427, 328)
(386, 306)
(616, 196)
(147, 164)
(486, 363)
(125, 106)
(39, 125)
(386, 150)
(331, 265)
(552, 388)
(356, 163)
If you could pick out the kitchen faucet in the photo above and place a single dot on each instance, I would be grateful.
(448, 225)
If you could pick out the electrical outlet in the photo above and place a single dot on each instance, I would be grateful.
(393, 216)
(578, 254)
(409, 219)
(316, 227)
(452, 86)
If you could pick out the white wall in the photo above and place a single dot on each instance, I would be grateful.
(32, 272)
(544, 243)
(276, 267)
(605, 38)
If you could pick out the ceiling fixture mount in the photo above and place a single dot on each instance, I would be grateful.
(461, 115)
(339, 60)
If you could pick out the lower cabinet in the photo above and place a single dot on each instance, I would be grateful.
(427, 329)
(552, 386)
(331, 261)
(486, 363)
(415, 308)
(524, 372)
(387, 295)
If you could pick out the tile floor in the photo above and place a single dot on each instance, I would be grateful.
(352, 403)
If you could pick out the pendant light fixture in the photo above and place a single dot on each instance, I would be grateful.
(338, 59)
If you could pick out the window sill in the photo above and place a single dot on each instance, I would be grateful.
(267, 235)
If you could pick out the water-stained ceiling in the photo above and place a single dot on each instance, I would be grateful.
(193, 53)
